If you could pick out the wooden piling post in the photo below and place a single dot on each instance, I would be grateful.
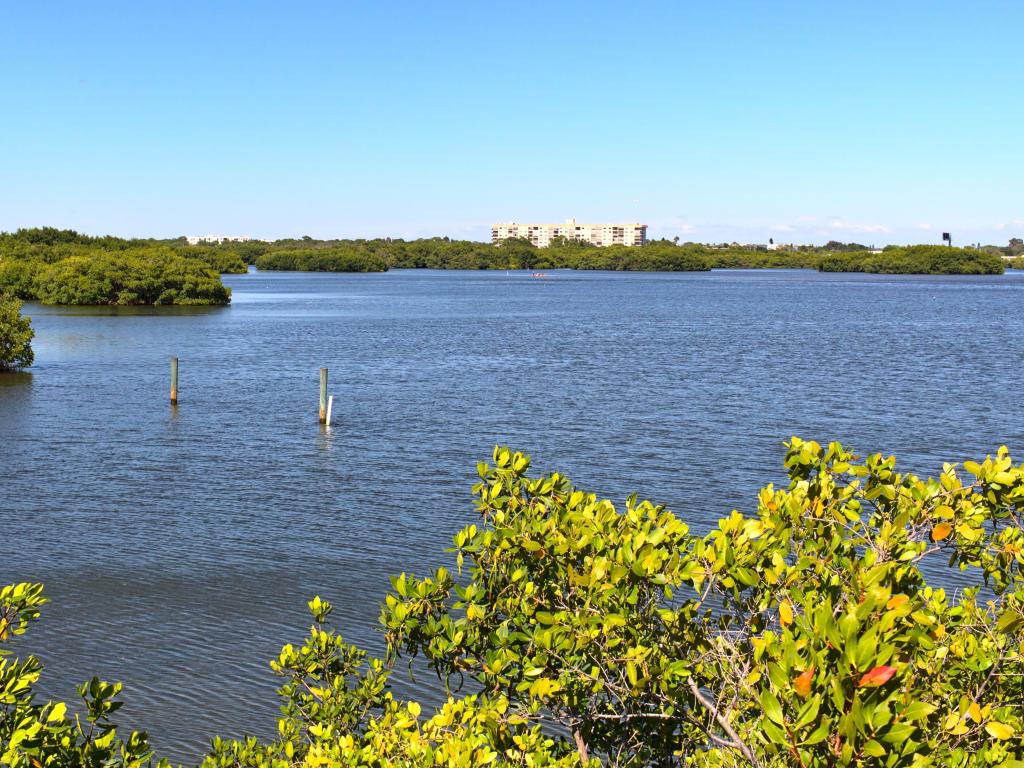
(323, 395)
(174, 381)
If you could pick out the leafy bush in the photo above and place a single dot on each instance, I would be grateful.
(63, 267)
(15, 335)
(806, 634)
(650, 258)
(154, 275)
(736, 258)
(130, 273)
(916, 259)
(337, 258)
(223, 260)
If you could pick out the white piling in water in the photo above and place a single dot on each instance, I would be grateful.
(330, 407)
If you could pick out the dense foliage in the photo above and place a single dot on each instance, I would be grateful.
(338, 258)
(916, 259)
(222, 260)
(15, 335)
(810, 633)
(658, 255)
(441, 253)
(750, 258)
(22, 252)
(63, 267)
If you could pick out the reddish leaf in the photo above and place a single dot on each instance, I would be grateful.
(896, 601)
(802, 684)
(877, 676)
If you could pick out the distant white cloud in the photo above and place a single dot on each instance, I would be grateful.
(1012, 224)
(838, 225)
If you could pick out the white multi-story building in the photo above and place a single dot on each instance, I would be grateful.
(196, 239)
(541, 235)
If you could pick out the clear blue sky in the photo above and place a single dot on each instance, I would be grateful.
(871, 121)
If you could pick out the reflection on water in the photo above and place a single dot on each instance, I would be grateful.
(173, 310)
(15, 379)
(179, 545)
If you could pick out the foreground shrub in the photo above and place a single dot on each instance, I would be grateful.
(806, 634)
(15, 335)
(33, 735)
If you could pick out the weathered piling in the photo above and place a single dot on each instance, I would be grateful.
(323, 395)
(174, 381)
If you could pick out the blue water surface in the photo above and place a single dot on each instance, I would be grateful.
(179, 545)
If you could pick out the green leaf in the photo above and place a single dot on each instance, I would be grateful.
(917, 710)
(771, 707)
(873, 748)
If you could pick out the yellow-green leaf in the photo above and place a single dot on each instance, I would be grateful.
(785, 613)
(999, 730)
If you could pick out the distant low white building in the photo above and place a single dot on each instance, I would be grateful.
(197, 239)
(541, 235)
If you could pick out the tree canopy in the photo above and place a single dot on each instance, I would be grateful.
(15, 335)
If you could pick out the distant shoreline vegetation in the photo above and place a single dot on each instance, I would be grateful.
(916, 260)
(64, 267)
(379, 255)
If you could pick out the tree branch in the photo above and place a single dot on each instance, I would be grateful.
(747, 751)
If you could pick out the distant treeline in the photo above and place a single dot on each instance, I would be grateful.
(659, 255)
(332, 258)
(63, 267)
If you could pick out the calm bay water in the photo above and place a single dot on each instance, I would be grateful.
(179, 546)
